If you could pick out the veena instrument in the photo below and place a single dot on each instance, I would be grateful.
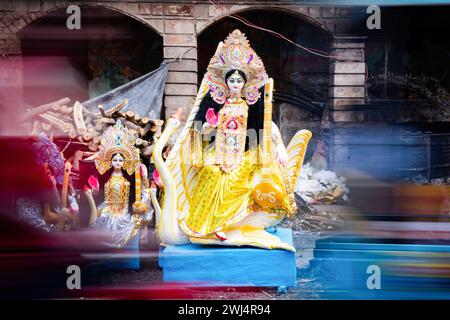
(267, 193)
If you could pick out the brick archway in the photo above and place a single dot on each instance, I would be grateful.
(31, 17)
(109, 49)
(298, 12)
(18, 18)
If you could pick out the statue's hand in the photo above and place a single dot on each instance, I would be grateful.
(282, 155)
(73, 206)
(139, 208)
(93, 184)
(212, 118)
(157, 178)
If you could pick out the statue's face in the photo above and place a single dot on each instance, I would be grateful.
(117, 161)
(235, 83)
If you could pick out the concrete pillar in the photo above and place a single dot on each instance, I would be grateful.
(347, 97)
(180, 41)
(347, 80)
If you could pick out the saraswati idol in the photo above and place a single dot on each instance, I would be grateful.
(229, 176)
(119, 165)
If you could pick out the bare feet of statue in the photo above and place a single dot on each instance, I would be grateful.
(221, 236)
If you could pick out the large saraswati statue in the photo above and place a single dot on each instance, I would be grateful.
(230, 191)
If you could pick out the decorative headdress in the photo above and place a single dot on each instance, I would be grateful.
(235, 53)
(117, 139)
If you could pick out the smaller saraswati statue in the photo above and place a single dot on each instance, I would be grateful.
(119, 163)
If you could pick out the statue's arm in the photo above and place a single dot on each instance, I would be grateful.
(280, 149)
(145, 194)
(205, 129)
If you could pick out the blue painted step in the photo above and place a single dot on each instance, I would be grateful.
(230, 266)
(407, 271)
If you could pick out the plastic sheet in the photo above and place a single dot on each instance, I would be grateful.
(144, 94)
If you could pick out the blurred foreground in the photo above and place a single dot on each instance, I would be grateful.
(378, 238)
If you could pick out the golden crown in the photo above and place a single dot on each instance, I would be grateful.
(117, 139)
(235, 53)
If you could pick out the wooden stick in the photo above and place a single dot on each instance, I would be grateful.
(133, 132)
(98, 126)
(45, 107)
(117, 108)
(66, 109)
(143, 131)
(72, 133)
(107, 121)
(157, 122)
(78, 118)
(93, 146)
(96, 133)
(87, 136)
(59, 115)
(121, 114)
(130, 116)
(77, 156)
(64, 126)
(154, 128)
(131, 125)
(141, 142)
(102, 111)
(97, 140)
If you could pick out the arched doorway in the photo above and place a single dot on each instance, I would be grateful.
(301, 79)
(408, 87)
(109, 50)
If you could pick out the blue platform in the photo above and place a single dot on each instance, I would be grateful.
(230, 266)
(407, 271)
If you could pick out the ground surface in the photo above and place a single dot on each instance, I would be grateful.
(319, 221)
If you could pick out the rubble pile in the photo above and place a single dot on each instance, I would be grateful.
(315, 218)
(315, 192)
(59, 118)
(320, 221)
(321, 186)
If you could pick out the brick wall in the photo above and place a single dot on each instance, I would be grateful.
(179, 23)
